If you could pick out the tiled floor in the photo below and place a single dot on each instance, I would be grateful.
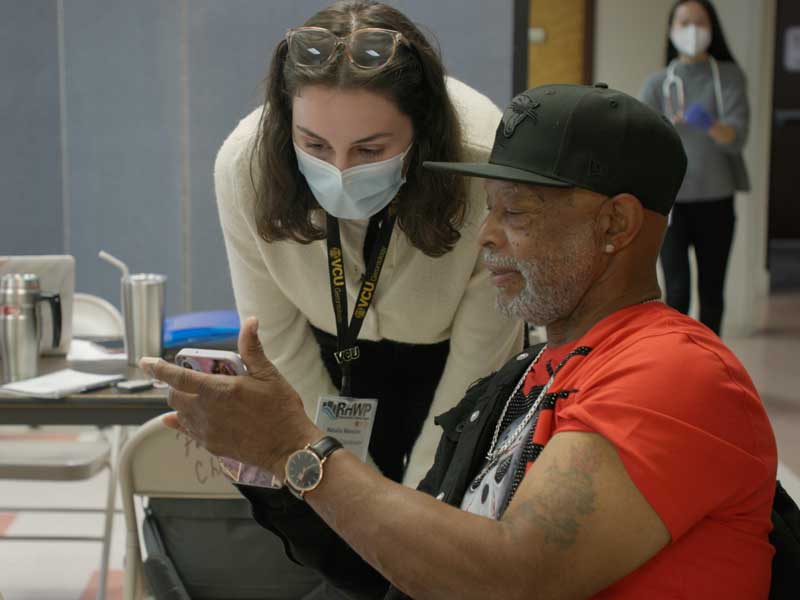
(68, 571)
(57, 570)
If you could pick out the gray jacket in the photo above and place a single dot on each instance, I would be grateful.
(714, 170)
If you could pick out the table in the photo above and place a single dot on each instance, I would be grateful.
(103, 408)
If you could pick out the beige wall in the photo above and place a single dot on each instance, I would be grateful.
(629, 41)
(629, 44)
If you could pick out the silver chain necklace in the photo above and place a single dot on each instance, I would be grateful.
(493, 453)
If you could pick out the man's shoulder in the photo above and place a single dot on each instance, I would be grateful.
(662, 339)
(660, 375)
(661, 364)
(653, 355)
(684, 340)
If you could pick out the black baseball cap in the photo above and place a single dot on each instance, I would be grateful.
(590, 137)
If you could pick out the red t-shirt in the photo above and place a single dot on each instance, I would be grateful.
(693, 435)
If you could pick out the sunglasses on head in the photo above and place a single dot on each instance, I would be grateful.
(368, 48)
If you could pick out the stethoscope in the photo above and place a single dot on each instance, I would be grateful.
(675, 80)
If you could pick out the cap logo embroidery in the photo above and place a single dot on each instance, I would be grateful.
(522, 107)
(597, 169)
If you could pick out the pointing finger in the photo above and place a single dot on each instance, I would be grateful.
(171, 421)
(179, 378)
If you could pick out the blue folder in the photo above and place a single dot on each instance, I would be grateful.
(202, 329)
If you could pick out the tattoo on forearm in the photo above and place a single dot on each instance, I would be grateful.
(569, 496)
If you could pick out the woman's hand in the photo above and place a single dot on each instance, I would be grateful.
(257, 418)
(697, 116)
(721, 133)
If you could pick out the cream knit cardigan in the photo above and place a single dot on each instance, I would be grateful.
(419, 299)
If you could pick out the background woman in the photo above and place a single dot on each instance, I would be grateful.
(703, 91)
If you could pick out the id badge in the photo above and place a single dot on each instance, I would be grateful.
(245, 474)
(349, 420)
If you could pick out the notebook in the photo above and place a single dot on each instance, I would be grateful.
(60, 383)
(56, 274)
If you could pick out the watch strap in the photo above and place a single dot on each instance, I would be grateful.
(325, 447)
(294, 491)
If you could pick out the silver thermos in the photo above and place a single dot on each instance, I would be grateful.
(21, 322)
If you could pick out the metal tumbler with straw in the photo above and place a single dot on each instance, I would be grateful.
(143, 306)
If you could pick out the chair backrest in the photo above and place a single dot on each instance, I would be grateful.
(160, 462)
(785, 537)
(94, 316)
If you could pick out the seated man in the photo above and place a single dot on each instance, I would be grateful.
(630, 457)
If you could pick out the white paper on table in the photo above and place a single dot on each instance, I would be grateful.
(60, 383)
(84, 350)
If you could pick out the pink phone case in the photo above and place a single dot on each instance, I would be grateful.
(215, 363)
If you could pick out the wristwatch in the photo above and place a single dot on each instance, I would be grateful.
(304, 466)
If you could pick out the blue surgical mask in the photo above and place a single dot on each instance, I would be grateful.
(355, 193)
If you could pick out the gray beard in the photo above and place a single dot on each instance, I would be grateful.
(554, 284)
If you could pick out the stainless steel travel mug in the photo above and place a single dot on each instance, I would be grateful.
(21, 323)
(143, 304)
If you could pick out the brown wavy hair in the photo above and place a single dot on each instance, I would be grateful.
(431, 206)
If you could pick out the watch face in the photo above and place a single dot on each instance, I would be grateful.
(304, 470)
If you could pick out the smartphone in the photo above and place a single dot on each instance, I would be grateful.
(223, 362)
(217, 362)
(135, 385)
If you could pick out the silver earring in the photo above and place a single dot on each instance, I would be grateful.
(609, 248)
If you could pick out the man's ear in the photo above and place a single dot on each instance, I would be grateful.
(621, 219)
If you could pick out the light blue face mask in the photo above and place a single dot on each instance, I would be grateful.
(355, 193)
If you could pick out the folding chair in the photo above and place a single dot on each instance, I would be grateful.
(44, 460)
(95, 316)
(158, 462)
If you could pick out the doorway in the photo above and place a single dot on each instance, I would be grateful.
(784, 203)
(560, 41)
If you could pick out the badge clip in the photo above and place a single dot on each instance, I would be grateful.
(347, 355)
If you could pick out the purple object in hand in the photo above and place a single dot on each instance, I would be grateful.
(696, 115)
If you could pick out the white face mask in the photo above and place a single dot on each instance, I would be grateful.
(355, 193)
(691, 40)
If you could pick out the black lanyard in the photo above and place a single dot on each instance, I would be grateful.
(347, 349)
